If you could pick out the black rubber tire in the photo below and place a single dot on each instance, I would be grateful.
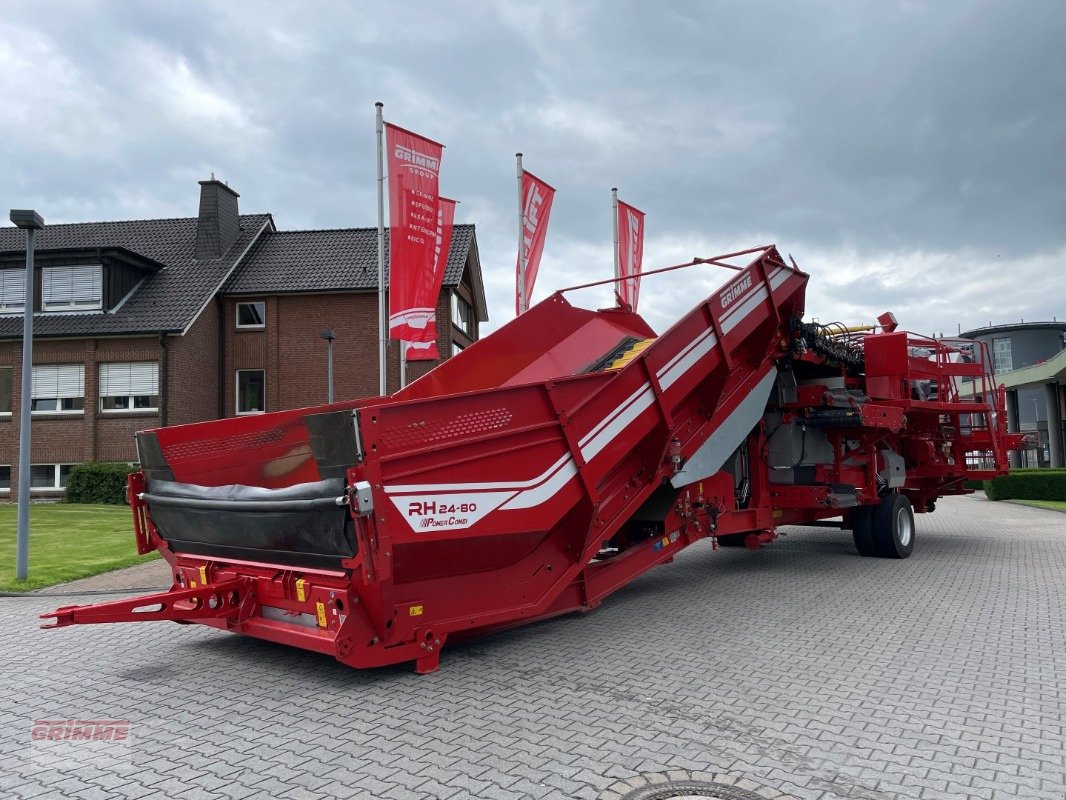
(862, 530)
(893, 527)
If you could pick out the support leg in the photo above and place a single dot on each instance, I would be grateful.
(428, 663)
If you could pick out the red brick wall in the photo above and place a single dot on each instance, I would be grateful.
(74, 438)
(194, 370)
(293, 353)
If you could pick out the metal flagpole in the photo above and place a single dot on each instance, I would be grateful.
(523, 301)
(383, 324)
(617, 259)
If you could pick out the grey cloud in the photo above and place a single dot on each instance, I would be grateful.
(912, 142)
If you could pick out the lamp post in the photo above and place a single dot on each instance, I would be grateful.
(30, 221)
(329, 336)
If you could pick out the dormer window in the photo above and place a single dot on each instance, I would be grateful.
(12, 290)
(76, 287)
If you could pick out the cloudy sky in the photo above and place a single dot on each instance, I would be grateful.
(909, 155)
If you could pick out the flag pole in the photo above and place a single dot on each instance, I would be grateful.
(383, 325)
(617, 260)
(522, 301)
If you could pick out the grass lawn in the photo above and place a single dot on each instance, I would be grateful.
(67, 542)
(1058, 505)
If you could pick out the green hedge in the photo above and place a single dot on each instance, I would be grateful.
(98, 483)
(1028, 484)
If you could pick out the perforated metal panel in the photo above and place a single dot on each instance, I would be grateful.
(435, 431)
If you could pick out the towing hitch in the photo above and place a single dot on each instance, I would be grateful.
(231, 599)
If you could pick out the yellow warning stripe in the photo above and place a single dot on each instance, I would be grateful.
(635, 350)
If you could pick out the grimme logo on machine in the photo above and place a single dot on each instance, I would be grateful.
(736, 290)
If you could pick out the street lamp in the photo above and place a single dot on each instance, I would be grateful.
(30, 221)
(329, 336)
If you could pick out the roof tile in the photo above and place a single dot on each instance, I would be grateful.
(168, 301)
(328, 260)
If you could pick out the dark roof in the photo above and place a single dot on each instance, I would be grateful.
(1013, 326)
(168, 301)
(342, 259)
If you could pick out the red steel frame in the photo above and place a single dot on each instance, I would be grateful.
(499, 478)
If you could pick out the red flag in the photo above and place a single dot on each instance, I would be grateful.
(630, 252)
(414, 172)
(536, 206)
(426, 350)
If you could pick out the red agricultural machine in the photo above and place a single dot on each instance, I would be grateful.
(551, 463)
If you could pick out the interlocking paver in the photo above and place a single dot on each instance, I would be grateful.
(803, 667)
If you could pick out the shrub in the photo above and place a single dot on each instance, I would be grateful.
(1029, 484)
(95, 482)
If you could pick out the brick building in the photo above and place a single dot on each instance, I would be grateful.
(145, 323)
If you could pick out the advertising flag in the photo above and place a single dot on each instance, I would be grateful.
(630, 252)
(414, 198)
(536, 207)
(426, 350)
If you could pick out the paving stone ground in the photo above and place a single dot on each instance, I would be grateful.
(803, 667)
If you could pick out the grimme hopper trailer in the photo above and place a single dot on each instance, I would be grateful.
(551, 463)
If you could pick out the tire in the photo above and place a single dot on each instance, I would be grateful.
(862, 530)
(893, 527)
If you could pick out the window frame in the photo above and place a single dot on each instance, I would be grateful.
(254, 326)
(131, 397)
(458, 301)
(70, 412)
(57, 477)
(97, 305)
(997, 358)
(5, 307)
(237, 393)
(6, 490)
(10, 394)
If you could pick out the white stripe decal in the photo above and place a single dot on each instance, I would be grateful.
(537, 495)
(683, 352)
(610, 417)
(670, 377)
(470, 487)
(607, 434)
(745, 308)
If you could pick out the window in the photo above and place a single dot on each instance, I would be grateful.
(5, 478)
(12, 290)
(456, 348)
(251, 315)
(462, 315)
(251, 391)
(78, 287)
(58, 388)
(5, 391)
(1001, 354)
(45, 477)
(129, 387)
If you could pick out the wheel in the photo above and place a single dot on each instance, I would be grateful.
(893, 527)
(862, 530)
